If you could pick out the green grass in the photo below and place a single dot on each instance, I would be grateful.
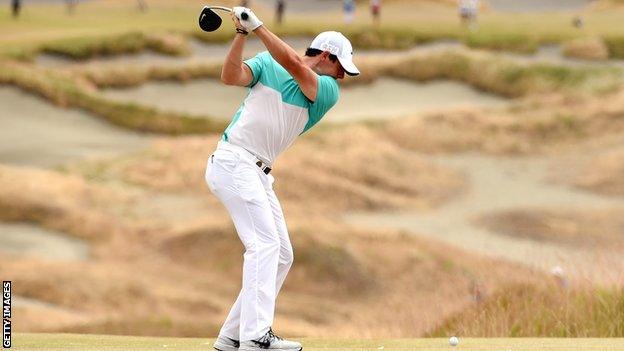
(129, 343)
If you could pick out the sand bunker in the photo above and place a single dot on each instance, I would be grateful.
(586, 227)
(35, 133)
(30, 240)
(498, 184)
(198, 97)
(383, 99)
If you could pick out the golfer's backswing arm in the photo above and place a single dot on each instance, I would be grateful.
(288, 94)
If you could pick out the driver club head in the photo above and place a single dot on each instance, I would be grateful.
(209, 21)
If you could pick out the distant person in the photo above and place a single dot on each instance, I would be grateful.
(468, 11)
(16, 6)
(71, 5)
(280, 6)
(375, 7)
(348, 7)
(578, 21)
(142, 5)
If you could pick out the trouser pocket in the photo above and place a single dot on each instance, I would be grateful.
(208, 176)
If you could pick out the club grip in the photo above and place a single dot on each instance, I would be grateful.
(244, 16)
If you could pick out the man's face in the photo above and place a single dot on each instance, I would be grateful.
(331, 68)
(340, 72)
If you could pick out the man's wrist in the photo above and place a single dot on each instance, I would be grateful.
(241, 31)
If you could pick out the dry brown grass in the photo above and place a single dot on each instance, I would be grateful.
(150, 277)
(604, 174)
(179, 277)
(106, 76)
(586, 49)
(64, 203)
(522, 310)
(329, 170)
(578, 228)
(534, 125)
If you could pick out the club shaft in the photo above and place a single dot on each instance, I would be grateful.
(222, 8)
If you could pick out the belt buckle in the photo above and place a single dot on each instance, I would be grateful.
(263, 168)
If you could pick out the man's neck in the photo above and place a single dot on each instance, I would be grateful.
(311, 62)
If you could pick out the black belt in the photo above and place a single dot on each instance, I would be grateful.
(265, 169)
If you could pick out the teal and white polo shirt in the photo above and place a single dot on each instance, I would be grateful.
(275, 111)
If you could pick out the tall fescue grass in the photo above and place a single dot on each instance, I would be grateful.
(516, 42)
(586, 48)
(133, 42)
(615, 45)
(503, 76)
(134, 75)
(62, 90)
(531, 125)
(64, 203)
(524, 310)
(603, 174)
(482, 70)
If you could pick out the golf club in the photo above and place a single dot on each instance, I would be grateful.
(209, 21)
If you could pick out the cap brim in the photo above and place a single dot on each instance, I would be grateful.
(348, 66)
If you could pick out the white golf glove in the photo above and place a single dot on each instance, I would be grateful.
(251, 23)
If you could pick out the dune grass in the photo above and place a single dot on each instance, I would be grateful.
(130, 76)
(528, 310)
(64, 91)
(78, 87)
(81, 48)
(28, 341)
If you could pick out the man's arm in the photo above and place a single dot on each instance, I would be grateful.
(234, 71)
(288, 58)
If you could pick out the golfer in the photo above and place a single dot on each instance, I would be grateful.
(288, 95)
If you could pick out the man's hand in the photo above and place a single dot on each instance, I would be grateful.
(250, 22)
(237, 23)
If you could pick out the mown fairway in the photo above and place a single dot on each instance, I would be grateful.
(105, 342)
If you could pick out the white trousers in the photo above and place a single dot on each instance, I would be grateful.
(247, 194)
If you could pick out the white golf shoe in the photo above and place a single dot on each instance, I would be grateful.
(226, 344)
(271, 342)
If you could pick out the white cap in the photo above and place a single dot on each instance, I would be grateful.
(337, 44)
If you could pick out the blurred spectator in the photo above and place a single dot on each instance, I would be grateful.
(375, 6)
(16, 6)
(279, 11)
(477, 291)
(560, 276)
(578, 22)
(142, 5)
(348, 7)
(71, 5)
(245, 3)
(468, 11)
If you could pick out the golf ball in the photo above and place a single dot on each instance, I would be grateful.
(453, 341)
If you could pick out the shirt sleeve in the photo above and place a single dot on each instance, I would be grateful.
(327, 95)
(256, 65)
